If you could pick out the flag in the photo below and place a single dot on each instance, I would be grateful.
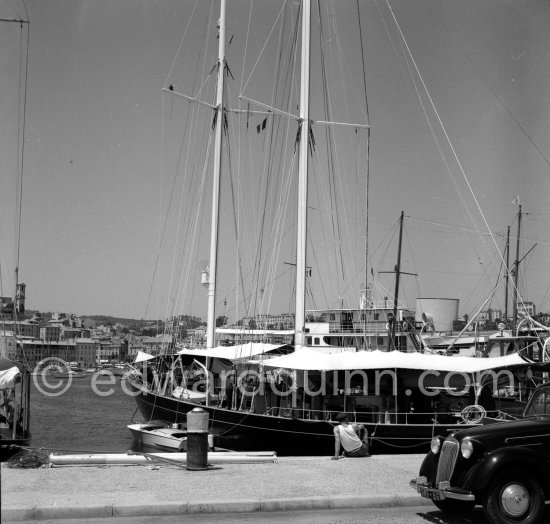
(516, 201)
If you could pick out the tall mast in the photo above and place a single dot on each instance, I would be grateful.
(516, 273)
(211, 324)
(300, 313)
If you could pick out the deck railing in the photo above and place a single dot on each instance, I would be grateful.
(376, 327)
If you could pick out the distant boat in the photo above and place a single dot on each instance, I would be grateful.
(69, 374)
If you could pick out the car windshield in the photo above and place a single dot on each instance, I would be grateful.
(539, 403)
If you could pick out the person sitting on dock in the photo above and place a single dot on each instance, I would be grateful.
(346, 435)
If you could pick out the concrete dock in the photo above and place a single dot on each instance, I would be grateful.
(164, 489)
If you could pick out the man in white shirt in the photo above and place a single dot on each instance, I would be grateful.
(346, 435)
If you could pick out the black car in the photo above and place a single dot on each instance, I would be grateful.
(505, 467)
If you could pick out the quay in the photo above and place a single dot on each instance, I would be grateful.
(292, 483)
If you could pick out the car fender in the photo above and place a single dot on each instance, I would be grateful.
(428, 467)
(519, 457)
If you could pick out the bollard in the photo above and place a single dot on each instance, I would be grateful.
(197, 440)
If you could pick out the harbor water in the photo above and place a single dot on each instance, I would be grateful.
(87, 414)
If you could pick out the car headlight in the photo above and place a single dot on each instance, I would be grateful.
(467, 448)
(435, 445)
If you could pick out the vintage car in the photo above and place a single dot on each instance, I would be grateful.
(505, 467)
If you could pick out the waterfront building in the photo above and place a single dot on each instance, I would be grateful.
(68, 333)
(155, 345)
(528, 308)
(8, 346)
(34, 351)
(86, 352)
(30, 328)
(51, 333)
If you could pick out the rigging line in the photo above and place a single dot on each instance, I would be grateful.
(455, 155)
(181, 43)
(179, 223)
(234, 198)
(171, 195)
(367, 172)
(321, 280)
(342, 61)
(493, 91)
(483, 277)
(26, 11)
(427, 119)
(270, 167)
(284, 203)
(22, 111)
(434, 136)
(162, 229)
(195, 225)
(249, 25)
(460, 228)
(243, 88)
(289, 80)
(321, 187)
(277, 233)
(191, 128)
(329, 150)
(335, 174)
(545, 296)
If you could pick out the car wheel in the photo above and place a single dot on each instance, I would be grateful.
(454, 507)
(515, 498)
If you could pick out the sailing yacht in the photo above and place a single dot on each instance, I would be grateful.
(285, 397)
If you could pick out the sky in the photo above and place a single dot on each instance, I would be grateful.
(94, 133)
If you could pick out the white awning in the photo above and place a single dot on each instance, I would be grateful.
(7, 377)
(142, 356)
(242, 351)
(309, 359)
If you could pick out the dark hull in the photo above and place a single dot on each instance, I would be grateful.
(245, 431)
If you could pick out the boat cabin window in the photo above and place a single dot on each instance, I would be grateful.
(332, 316)
(539, 403)
(376, 316)
(316, 341)
(308, 341)
(380, 341)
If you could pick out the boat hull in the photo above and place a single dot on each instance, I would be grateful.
(288, 436)
(159, 437)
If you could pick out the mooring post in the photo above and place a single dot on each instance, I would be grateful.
(197, 440)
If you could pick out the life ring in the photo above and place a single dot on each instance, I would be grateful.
(473, 414)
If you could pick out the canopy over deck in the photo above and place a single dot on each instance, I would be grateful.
(242, 351)
(308, 359)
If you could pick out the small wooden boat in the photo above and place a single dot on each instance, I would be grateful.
(160, 435)
(68, 374)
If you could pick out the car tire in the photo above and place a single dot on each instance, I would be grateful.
(454, 507)
(515, 498)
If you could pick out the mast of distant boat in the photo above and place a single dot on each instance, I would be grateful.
(516, 274)
(391, 338)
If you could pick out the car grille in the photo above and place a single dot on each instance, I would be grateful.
(447, 460)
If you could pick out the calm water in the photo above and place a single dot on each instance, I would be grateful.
(79, 419)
